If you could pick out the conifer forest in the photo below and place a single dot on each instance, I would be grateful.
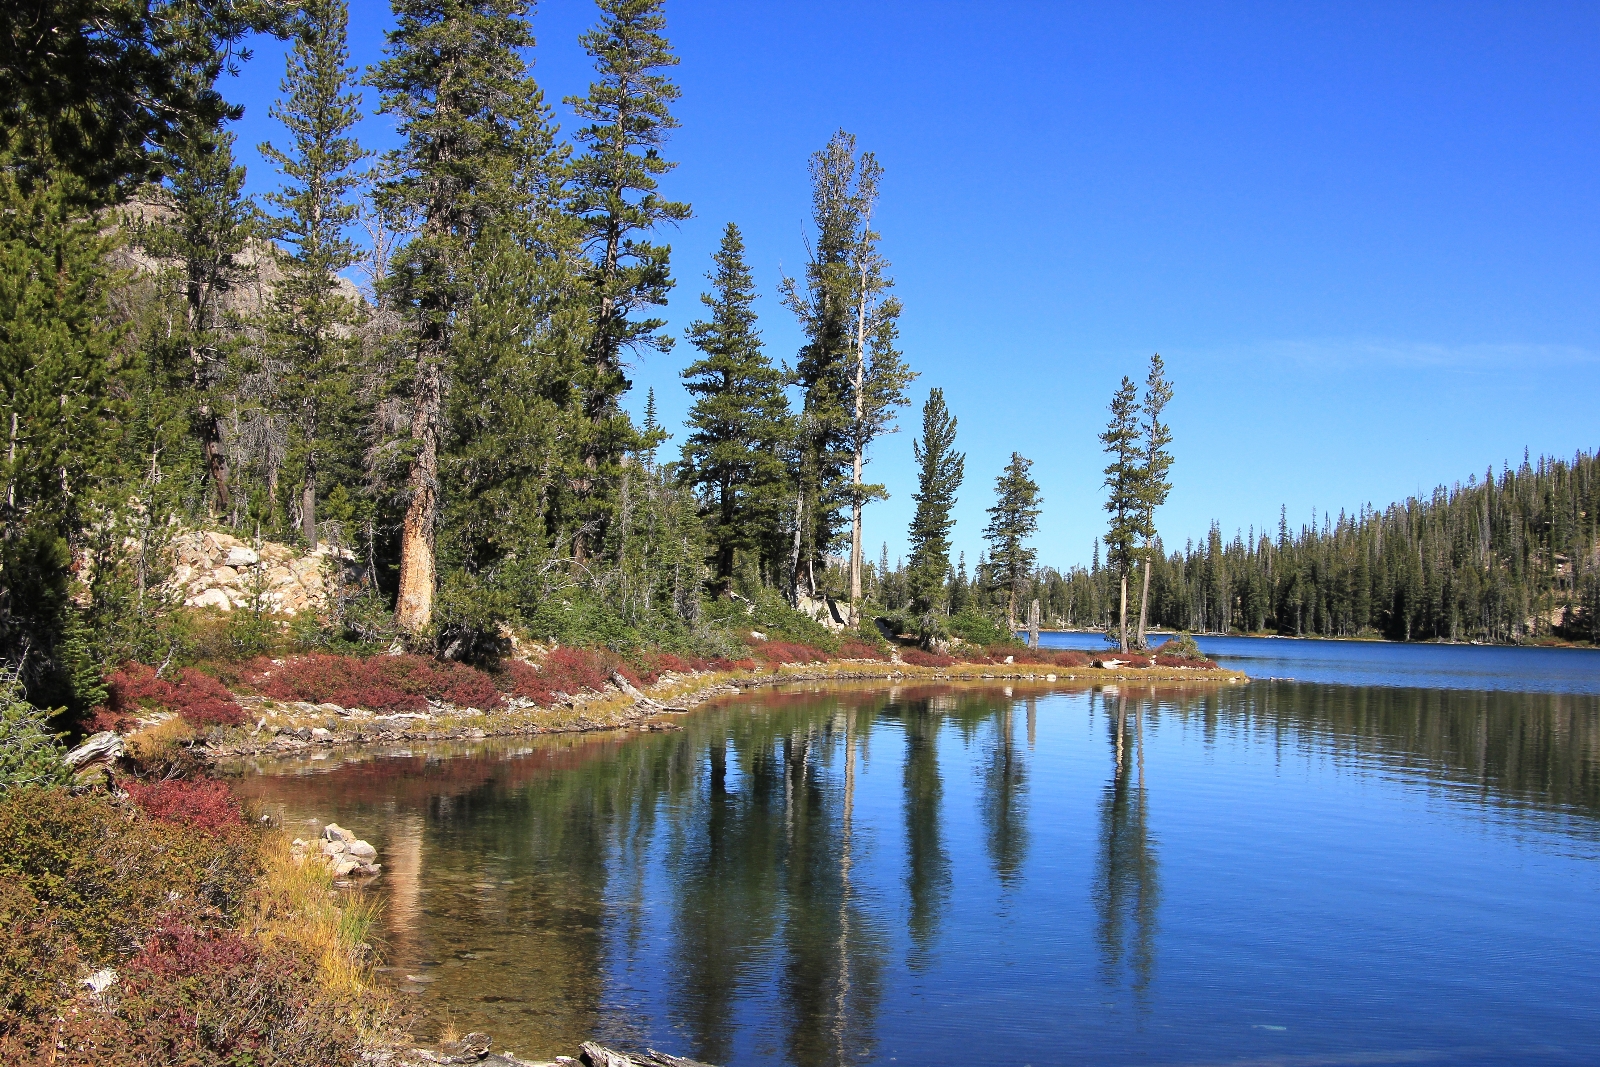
(420, 359)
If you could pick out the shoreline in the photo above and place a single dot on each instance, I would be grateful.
(286, 728)
(1560, 643)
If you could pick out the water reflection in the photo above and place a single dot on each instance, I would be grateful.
(1127, 889)
(758, 888)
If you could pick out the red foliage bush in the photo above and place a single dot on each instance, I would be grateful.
(660, 663)
(858, 650)
(377, 683)
(198, 697)
(918, 658)
(205, 804)
(725, 664)
(1184, 661)
(775, 652)
(567, 670)
(184, 952)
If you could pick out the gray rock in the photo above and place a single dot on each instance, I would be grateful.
(334, 832)
(361, 850)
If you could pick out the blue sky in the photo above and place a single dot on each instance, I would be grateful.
(1365, 238)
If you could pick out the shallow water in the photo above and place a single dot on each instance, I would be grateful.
(1426, 666)
(1284, 873)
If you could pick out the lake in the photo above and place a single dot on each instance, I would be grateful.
(1276, 873)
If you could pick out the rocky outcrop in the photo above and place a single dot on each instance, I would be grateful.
(217, 570)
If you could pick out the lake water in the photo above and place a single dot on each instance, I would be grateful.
(1287, 873)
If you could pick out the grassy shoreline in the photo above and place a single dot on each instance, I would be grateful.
(296, 726)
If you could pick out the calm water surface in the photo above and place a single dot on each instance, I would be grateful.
(1424, 666)
(1273, 873)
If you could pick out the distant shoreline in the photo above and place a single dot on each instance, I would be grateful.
(1543, 643)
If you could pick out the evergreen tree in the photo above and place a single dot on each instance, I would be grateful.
(740, 416)
(88, 88)
(939, 472)
(57, 342)
(849, 323)
(1153, 485)
(470, 117)
(1012, 521)
(1121, 442)
(196, 229)
(312, 320)
(614, 192)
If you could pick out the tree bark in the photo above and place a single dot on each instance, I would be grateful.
(1144, 602)
(794, 552)
(859, 444)
(308, 504)
(1122, 634)
(414, 606)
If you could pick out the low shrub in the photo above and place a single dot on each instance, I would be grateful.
(853, 649)
(569, 670)
(198, 697)
(918, 658)
(205, 804)
(376, 683)
(777, 652)
(1181, 645)
(978, 629)
(161, 748)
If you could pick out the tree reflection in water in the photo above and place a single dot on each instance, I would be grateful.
(1127, 887)
(744, 889)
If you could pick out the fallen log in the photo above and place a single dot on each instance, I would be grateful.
(632, 690)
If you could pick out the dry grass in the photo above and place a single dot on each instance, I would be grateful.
(296, 901)
(153, 744)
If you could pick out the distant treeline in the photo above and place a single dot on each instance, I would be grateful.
(1509, 557)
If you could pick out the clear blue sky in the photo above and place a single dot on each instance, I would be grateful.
(1364, 237)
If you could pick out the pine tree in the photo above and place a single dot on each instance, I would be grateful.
(614, 192)
(1121, 442)
(740, 416)
(57, 342)
(939, 472)
(849, 322)
(312, 320)
(470, 118)
(1012, 521)
(1153, 485)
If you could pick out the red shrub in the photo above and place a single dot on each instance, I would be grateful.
(184, 952)
(205, 804)
(1183, 661)
(526, 681)
(572, 670)
(732, 664)
(918, 658)
(858, 650)
(198, 697)
(776, 652)
(378, 683)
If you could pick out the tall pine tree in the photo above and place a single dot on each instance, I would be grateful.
(1012, 521)
(1120, 440)
(939, 472)
(312, 319)
(1156, 461)
(740, 417)
(457, 83)
(615, 194)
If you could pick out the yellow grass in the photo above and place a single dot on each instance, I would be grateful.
(150, 744)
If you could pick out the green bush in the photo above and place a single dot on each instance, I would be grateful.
(1181, 645)
(979, 629)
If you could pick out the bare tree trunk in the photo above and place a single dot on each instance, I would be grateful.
(414, 606)
(1144, 602)
(794, 552)
(1122, 634)
(1033, 624)
(859, 444)
(308, 504)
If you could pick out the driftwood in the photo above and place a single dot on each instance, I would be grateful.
(599, 1056)
(475, 1049)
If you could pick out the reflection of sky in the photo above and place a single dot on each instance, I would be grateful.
(1289, 873)
(1423, 666)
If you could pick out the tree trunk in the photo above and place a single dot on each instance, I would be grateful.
(794, 553)
(1144, 604)
(1033, 624)
(1122, 624)
(216, 457)
(308, 504)
(858, 444)
(414, 606)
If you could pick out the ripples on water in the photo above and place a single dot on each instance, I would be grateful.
(1275, 873)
